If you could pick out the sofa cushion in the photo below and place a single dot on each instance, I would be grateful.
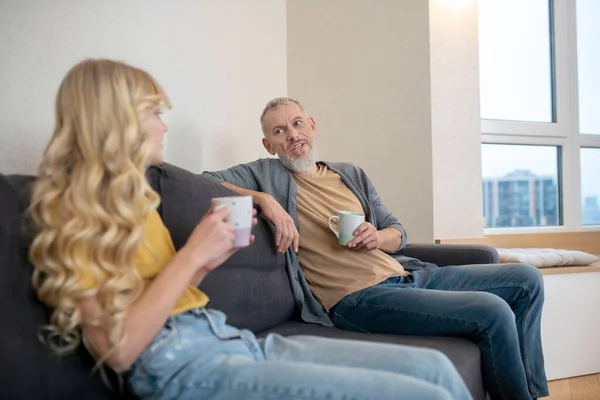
(28, 368)
(252, 287)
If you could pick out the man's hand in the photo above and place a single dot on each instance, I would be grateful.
(367, 236)
(286, 233)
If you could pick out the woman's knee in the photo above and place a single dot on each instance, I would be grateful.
(435, 367)
(434, 393)
(433, 359)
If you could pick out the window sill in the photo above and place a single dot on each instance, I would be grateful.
(573, 269)
(588, 241)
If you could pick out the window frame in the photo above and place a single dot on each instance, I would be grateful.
(564, 132)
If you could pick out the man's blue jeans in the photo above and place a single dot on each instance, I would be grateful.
(498, 307)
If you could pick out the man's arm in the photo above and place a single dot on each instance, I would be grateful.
(390, 239)
(241, 179)
(286, 233)
(387, 234)
(258, 198)
(384, 219)
(241, 176)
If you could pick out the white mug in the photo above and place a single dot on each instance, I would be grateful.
(348, 221)
(240, 216)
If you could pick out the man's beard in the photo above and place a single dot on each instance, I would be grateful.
(302, 164)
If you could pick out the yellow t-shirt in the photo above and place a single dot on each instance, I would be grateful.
(153, 255)
(331, 270)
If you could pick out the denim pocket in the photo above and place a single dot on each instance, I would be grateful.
(160, 346)
(217, 322)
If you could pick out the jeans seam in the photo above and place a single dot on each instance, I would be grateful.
(526, 367)
(483, 288)
(540, 394)
(210, 385)
(486, 330)
(524, 341)
(350, 323)
(418, 313)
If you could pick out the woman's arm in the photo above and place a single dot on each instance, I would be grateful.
(144, 318)
(209, 245)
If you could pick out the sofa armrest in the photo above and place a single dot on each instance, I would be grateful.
(452, 254)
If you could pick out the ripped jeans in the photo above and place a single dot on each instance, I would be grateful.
(196, 355)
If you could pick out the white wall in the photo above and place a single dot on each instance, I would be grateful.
(456, 127)
(570, 324)
(362, 70)
(219, 61)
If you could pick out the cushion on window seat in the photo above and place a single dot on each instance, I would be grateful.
(546, 257)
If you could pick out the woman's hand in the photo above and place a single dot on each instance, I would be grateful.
(211, 242)
(211, 239)
(220, 260)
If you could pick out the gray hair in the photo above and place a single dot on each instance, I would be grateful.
(275, 103)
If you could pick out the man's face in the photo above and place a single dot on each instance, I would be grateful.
(290, 134)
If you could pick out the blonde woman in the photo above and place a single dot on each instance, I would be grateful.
(106, 265)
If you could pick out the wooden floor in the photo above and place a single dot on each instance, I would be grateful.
(579, 388)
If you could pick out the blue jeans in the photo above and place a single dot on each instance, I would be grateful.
(498, 307)
(197, 356)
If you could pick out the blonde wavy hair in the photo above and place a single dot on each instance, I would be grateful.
(91, 198)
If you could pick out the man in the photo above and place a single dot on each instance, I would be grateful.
(368, 286)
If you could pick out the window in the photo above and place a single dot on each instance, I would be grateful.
(515, 60)
(590, 186)
(540, 114)
(521, 185)
(588, 32)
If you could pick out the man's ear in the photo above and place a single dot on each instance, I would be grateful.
(312, 123)
(268, 146)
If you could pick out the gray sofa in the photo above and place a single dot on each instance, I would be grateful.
(252, 288)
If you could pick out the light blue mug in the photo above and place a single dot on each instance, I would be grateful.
(347, 222)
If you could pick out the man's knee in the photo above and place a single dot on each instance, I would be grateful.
(493, 308)
(529, 276)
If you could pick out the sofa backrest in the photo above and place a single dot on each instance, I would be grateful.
(27, 366)
(252, 287)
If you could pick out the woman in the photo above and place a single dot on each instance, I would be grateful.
(106, 265)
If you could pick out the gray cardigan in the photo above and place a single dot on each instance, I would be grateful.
(268, 175)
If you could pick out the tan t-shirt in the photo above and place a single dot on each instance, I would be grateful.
(334, 271)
